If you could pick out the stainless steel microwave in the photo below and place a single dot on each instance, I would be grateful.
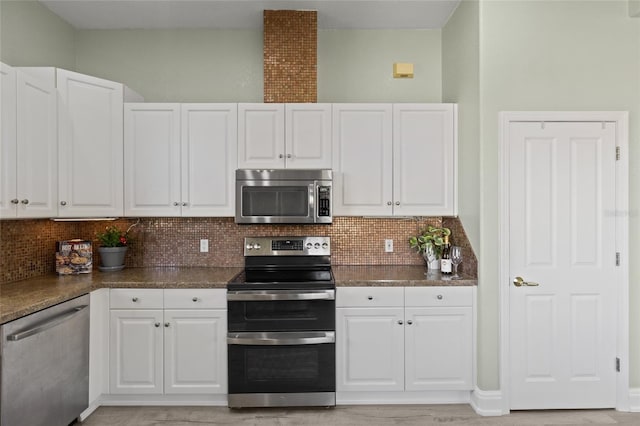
(283, 196)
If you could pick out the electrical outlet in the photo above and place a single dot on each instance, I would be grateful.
(204, 246)
(388, 246)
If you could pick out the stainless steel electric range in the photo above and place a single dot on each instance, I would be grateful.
(281, 324)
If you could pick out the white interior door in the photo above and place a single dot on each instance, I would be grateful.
(562, 228)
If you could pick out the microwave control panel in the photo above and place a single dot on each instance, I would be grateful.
(324, 200)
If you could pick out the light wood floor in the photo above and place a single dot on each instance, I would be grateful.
(365, 415)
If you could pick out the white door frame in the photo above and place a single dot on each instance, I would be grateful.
(621, 279)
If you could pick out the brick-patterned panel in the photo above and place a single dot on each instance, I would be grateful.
(290, 55)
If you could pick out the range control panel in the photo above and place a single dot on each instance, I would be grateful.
(287, 246)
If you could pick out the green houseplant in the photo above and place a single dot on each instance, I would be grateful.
(430, 243)
(113, 247)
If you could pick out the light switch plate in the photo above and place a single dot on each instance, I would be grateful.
(388, 246)
(204, 246)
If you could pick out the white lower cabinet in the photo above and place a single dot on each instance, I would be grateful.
(168, 341)
(399, 340)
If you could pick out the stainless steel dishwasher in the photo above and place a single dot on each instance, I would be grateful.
(45, 366)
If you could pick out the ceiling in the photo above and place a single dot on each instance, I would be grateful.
(247, 14)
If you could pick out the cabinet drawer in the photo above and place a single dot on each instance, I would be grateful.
(195, 298)
(131, 298)
(369, 296)
(438, 296)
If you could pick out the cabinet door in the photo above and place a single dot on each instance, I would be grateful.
(362, 159)
(152, 160)
(8, 146)
(90, 146)
(261, 136)
(37, 146)
(308, 136)
(424, 158)
(209, 158)
(195, 351)
(369, 349)
(439, 348)
(136, 359)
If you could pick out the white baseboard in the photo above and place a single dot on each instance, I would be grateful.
(487, 403)
(90, 409)
(634, 400)
(383, 398)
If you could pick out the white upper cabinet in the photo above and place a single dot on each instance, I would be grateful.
(152, 159)
(362, 159)
(90, 132)
(28, 154)
(276, 136)
(424, 159)
(209, 155)
(180, 159)
(394, 159)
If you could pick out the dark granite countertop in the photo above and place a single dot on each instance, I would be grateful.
(21, 298)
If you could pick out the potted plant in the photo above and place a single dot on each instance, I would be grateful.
(430, 243)
(113, 247)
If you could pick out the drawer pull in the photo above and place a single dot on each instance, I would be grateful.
(195, 299)
(409, 322)
(167, 324)
(400, 322)
(439, 297)
(157, 324)
(134, 299)
(370, 297)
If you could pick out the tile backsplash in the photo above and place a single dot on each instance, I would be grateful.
(27, 247)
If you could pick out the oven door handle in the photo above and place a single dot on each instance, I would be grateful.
(258, 295)
(281, 339)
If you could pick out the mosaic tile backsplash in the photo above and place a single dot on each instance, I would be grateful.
(27, 247)
(290, 55)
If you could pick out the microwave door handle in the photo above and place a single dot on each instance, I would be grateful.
(312, 202)
(249, 296)
(281, 339)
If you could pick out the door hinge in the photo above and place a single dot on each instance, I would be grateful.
(617, 258)
(618, 365)
(617, 153)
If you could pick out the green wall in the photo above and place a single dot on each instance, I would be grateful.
(31, 35)
(461, 85)
(226, 65)
(552, 55)
(357, 65)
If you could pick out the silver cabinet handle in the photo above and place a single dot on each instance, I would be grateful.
(242, 296)
(25, 201)
(175, 203)
(400, 322)
(195, 299)
(63, 203)
(439, 297)
(519, 282)
(370, 297)
(397, 203)
(281, 156)
(54, 321)
(167, 324)
(184, 204)
(157, 324)
(134, 299)
(15, 201)
(288, 155)
(282, 339)
(409, 322)
(389, 203)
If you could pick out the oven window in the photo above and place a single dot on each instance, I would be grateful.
(289, 368)
(285, 315)
(275, 201)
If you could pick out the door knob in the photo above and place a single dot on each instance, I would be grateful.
(519, 282)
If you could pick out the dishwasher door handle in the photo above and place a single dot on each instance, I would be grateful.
(52, 322)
